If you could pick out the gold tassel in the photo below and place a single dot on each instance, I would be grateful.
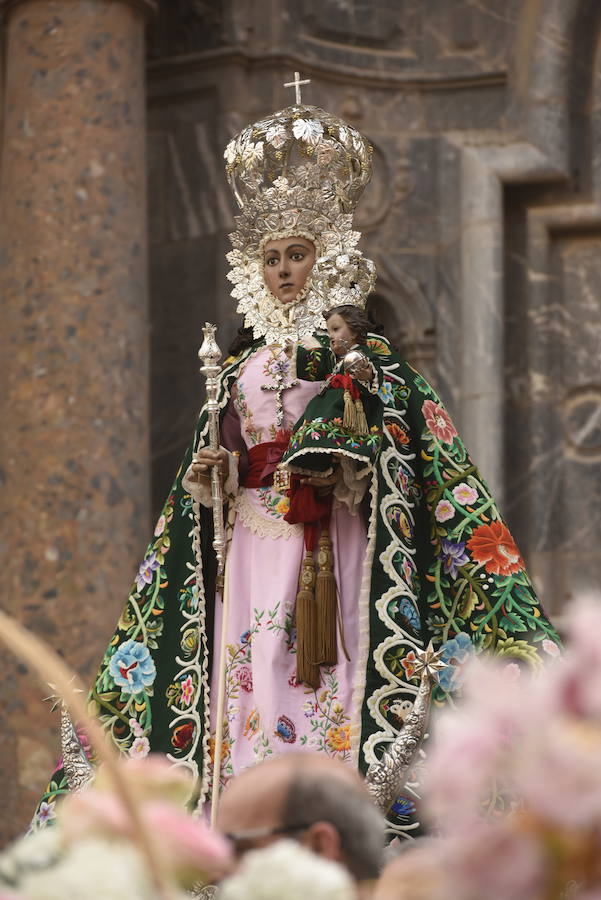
(349, 414)
(325, 597)
(307, 670)
(353, 416)
(361, 420)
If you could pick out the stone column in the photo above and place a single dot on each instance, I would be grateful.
(73, 350)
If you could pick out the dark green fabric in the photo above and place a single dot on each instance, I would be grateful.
(441, 565)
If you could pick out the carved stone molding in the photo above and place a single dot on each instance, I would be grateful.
(148, 7)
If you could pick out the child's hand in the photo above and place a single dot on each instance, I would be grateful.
(363, 371)
(339, 346)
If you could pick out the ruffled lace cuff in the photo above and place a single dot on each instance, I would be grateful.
(351, 488)
(201, 491)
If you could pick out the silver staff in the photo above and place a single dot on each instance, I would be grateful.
(209, 355)
(385, 779)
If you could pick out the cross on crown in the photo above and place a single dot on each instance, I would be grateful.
(296, 85)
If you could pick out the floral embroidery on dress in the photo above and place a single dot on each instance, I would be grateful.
(254, 434)
(285, 730)
(274, 503)
(330, 724)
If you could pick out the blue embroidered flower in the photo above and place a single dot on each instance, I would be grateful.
(132, 667)
(455, 653)
(452, 555)
(403, 806)
(245, 637)
(385, 392)
(285, 730)
(409, 612)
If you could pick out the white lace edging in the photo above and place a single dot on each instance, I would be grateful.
(351, 489)
(201, 491)
(261, 525)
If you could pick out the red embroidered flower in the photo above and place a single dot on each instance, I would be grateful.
(245, 679)
(398, 434)
(494, 546)
(439, 422)
(182, 736)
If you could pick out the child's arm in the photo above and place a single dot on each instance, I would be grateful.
(314, 363)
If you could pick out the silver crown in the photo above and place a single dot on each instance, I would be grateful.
(306, 145)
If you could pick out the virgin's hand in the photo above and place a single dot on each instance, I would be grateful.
(205, 459)
(321, 481)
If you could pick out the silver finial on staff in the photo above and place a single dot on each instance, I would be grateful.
(209, 355)
(296, 85)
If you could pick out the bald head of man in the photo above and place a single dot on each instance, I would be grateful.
(313, 798)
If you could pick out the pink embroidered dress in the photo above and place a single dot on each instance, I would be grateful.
(267, 712)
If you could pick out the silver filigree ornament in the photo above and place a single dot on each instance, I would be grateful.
(298, 173)
(385, 778)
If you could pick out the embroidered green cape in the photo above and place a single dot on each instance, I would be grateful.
(441, 565)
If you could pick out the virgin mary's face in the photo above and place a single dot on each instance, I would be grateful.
(286, 265)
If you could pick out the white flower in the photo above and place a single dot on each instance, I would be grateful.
(276, 135)
(287, 871)
(92, 869)
(230, 152)
(36, 851)
(342, 260)
(309, 130)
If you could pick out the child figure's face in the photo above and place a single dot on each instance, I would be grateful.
(342, 337)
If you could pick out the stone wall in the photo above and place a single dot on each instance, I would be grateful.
(483, 217)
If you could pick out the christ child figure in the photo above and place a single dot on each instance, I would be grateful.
(344, 421)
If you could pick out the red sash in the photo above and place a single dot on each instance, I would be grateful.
(263, 460)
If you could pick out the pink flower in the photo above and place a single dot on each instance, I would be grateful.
(464, 494)
(245, 679)
(444, 511)
(160, 526)
(408, 569)
(136, 728)
(495, 860)
(140, 748)
(438, 421)
(551, 648)
(188, 848)
(187, 687)
(561, 760)
(512, 671)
